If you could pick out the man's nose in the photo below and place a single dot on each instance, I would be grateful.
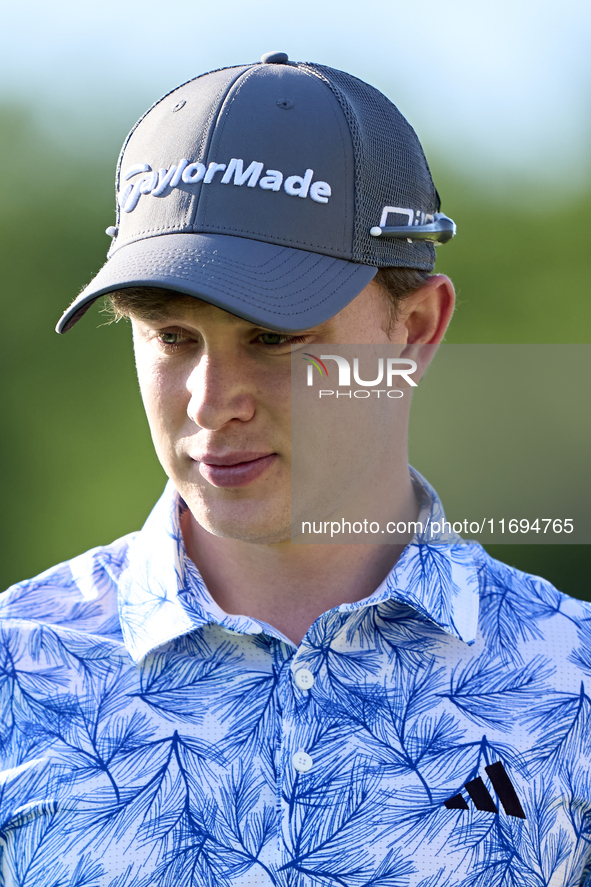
(220, 391)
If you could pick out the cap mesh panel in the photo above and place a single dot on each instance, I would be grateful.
(390, 170)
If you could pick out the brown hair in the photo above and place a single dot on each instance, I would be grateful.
(150, 303)
(399, 284)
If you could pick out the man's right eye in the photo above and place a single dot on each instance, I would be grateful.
(169, 338)
(172, 339)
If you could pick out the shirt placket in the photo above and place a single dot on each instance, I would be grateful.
(300, 759)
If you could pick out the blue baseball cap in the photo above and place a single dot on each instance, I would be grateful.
(273, 190)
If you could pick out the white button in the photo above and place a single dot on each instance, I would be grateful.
(302, 761)
(230, 631)
(304, 678)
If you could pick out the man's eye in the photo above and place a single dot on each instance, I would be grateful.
(170, 338)
(273, 338)
(280, 339)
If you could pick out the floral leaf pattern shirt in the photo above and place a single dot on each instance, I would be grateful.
(435, 734)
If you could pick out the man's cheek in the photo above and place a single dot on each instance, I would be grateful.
(165, 403)
(165, 428)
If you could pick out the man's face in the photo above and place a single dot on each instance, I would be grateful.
(216, 390)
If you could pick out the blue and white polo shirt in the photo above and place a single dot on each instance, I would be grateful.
(435, 734)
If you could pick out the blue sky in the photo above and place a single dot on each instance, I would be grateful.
(501, 86)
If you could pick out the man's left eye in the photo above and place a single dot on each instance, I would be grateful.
(281, 339)
(273, 338)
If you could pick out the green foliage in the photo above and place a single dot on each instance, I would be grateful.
(78, 464)
(79, 468)
(520, 263)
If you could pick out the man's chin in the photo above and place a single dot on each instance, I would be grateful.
(268, 518)
(250, 534)
(258, 523)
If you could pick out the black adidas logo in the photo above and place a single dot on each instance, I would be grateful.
(481, 797)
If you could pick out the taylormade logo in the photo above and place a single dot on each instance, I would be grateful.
(156, 182)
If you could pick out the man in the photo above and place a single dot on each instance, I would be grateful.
(206, 702)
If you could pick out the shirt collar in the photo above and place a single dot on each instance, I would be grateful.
(162, 595)
(437, 574)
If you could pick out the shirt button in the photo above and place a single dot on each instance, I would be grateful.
(230, 631)
(304, 678)
(302, 761)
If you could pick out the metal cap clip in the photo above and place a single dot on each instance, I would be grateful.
(440, 230)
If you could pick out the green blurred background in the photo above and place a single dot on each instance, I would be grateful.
(78, 464)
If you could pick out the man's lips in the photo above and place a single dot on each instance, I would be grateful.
(236, 469)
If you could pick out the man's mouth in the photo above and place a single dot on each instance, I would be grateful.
(235, 469)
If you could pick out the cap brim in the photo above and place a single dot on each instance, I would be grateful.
(273, 286)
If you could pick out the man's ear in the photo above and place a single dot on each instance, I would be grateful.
(424, 316)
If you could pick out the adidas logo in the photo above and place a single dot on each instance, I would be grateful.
(481, 797)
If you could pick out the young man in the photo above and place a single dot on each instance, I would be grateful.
(205, 702)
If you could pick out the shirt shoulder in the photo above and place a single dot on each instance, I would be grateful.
(519, 609)
(80, 594)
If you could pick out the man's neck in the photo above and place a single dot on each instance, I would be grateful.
(289, 586)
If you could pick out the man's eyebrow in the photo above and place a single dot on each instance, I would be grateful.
(307, 332)
(191, 315)
(180, 317)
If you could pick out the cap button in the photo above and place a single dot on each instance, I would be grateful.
(274, 58)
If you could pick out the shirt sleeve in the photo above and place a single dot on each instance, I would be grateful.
(585, 880)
